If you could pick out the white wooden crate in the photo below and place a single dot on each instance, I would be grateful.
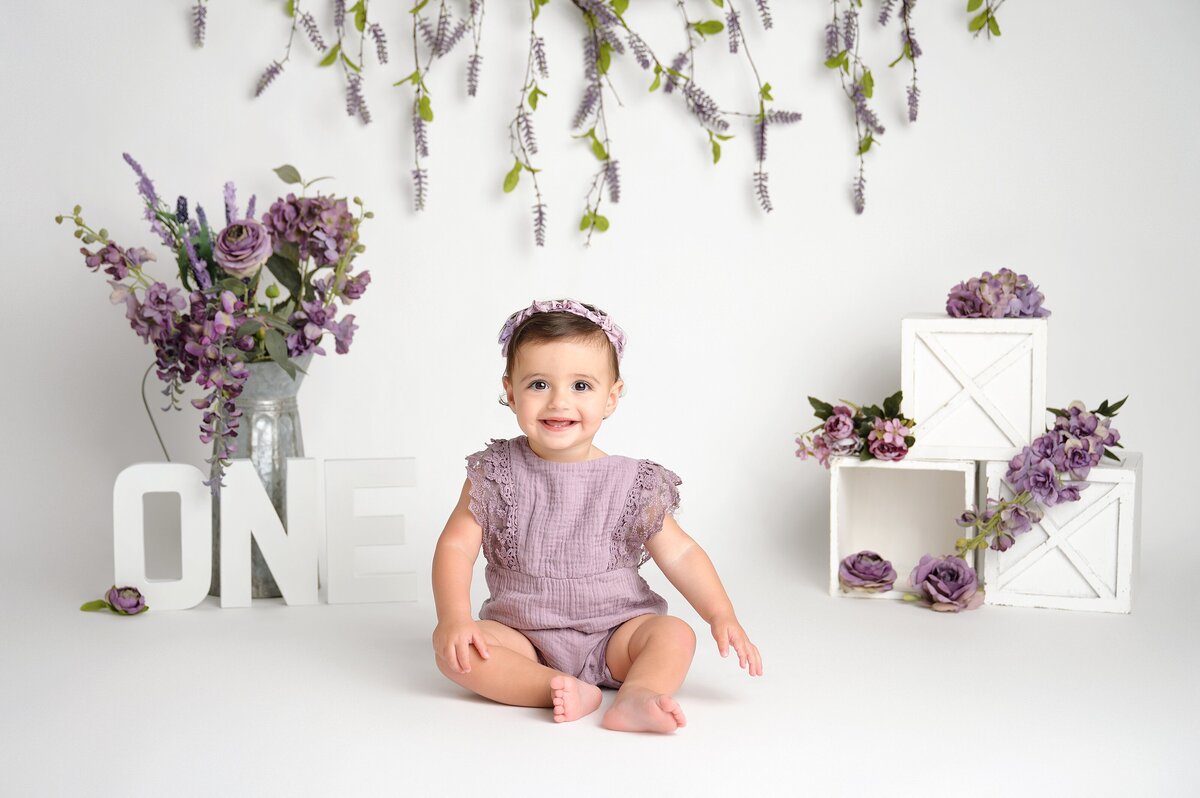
(1082, 556)
(975, 387)
(899, 510)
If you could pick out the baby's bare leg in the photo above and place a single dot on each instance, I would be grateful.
(511, 675)
(651, 654)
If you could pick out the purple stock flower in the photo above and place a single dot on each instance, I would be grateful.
(1045, 446)
(343, 333)
(1017, 519)
(126, 600)
(242, 248)
(947, 584)
(1077, 456)
(866, 572)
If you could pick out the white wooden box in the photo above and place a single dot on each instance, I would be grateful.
(899, 510)
(1082, 556)
(975, 387)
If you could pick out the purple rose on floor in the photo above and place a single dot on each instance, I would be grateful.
(242, 248)
(840, 424)
(866, 572)
(126, 600)
(948, 584)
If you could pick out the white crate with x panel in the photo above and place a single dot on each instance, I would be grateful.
(975, 387)
(1083, 555)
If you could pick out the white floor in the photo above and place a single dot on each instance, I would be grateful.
(859, 698)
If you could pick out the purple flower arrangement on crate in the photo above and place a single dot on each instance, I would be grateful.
(1051, 470)
(871, 432)
(205, 329)
(1003, 295)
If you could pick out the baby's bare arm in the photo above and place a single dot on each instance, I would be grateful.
(453, 563)
(689, 569)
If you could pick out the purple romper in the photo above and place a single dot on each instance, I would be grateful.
(563, 543)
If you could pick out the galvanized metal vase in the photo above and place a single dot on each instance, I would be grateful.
(268, 435)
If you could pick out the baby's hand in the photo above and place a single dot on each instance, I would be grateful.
(452, 640)
(728, 632)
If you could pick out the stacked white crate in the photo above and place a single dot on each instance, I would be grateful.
(977, 391)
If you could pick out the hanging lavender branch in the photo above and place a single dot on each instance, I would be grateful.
(858, 85)
(733, 26)
(641, 53)
(539, 58)
(381, 51)
(351, 71)
(678, 63)
(420, 180)
(522, 141)
(276, 67)
(268, 77)
(598, 47)
(199, 22)
(475, 60)
(885, 11)
(612, 176)
(764, 13)
(910, 51)
(314, 33)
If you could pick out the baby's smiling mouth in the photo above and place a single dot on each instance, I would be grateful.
(558, 423)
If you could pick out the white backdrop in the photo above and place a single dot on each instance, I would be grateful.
(1065, 149)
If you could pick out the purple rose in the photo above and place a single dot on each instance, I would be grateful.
(891, 452)
(866, 572)
(844, 447)
(126, 600)
(948, 584)
(242, 248)
(840, 424)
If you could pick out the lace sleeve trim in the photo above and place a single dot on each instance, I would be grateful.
(493, 502)
(653, 495)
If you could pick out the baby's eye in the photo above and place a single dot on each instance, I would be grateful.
(539, 385)
(581, 386)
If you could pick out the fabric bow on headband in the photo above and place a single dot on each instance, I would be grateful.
(615, 334)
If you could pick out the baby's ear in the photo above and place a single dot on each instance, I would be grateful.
(614, 397)
(508, 391)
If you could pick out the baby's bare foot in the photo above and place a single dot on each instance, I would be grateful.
(640, 710)
(572, 698)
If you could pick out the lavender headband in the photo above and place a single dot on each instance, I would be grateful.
(615, 334)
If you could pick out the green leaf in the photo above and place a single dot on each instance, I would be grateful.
(973, 5)
(891, 405)
(979, 21)
(657, 78)
(765, 92)
(604, 57)
(277, 349)
(350, 63)
(708, 27)
(865, 143)
(598, 149)
(512, 178)
(620, 6)
(534, 95)
(868, 84)
(601, 222)
(248, 328)
(719, 3)
(290, 8)
(537, 7)
(586, 221)
(288, 173)
(331, 56)
(721, 137)
(286, 272)
(993, 25)
(822, 410)
(836, 61)
(425, 108)
(716, 150)
(360, 16)
(93, 606)
(412, 78)
(416, 9)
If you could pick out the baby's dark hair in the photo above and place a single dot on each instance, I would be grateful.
(558, 326)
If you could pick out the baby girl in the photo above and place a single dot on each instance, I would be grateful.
(564, 528)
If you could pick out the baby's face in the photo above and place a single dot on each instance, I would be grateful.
(561, 391)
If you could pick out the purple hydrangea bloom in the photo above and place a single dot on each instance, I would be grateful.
(867, 572)
(297, 220)
(947, 584)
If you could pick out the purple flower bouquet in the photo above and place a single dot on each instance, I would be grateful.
(1004, 294)
(1052, 470)
(871, 432)
(214, 321)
